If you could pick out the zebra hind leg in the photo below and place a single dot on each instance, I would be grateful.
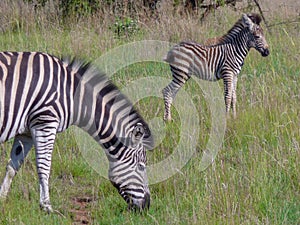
(21, 146)
(167, 94)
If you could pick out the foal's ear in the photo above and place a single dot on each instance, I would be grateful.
(256, 18)
(247, 21)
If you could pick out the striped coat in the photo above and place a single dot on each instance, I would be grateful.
(41, 95)
(223, 59)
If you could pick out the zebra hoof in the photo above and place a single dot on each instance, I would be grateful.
(46, 207)
(3, 195)
(167, 118)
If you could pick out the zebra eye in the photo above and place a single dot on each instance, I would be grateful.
(256, 36)
(141, 167)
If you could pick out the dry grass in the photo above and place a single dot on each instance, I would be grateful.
(255, 178)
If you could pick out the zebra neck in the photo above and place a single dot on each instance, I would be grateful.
(93, 116)
(104, 113)
(241, 45)
(237, 40)
(237, 35)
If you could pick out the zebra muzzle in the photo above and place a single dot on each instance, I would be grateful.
(265, 53)
(140, 205)
(146, 202)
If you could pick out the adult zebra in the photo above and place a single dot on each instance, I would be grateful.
(223, 59)
(42, 95)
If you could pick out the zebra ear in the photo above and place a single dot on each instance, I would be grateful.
(248, 22)
(142, 133)
(137, 134)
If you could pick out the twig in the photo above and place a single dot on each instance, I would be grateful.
(262, 14)
(59, 213)
(285, 22)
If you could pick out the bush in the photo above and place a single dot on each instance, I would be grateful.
(125, 27)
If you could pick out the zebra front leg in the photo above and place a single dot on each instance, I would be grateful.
(228, 90)
(21, 146)
(43, 136)
(233, 100)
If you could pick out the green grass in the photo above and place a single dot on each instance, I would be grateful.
(254, 179)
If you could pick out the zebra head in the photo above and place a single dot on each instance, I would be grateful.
(257, 39)
(128, 174)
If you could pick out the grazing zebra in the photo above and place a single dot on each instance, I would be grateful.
(42, 95)
(223, 59)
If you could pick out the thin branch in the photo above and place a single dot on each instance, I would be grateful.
(261, 13)
(284, 22)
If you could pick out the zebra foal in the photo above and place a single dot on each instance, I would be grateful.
(41, 95)
(222, 58)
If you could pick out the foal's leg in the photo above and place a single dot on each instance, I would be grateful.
(228, 90)
(233, 101)
(169, 92)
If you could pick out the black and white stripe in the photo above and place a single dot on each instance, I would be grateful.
(41, 95)
(221, 60)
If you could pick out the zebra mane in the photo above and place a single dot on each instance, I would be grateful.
(77, 65)
(86, 70)
(237, 27)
